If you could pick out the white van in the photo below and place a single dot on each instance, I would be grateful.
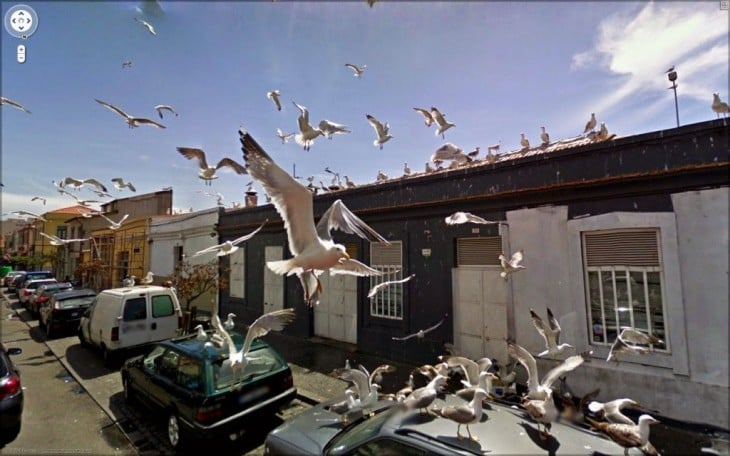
(123, 318)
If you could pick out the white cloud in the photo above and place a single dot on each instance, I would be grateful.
(638, 47)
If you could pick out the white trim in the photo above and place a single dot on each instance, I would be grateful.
(237, 282)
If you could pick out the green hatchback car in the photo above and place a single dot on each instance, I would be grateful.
(189, 381)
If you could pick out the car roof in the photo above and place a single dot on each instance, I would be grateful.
(131, 290)
(195, 348)
(48, 280)
(73, 294)
(52, 285)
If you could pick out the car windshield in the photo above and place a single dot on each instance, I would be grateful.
(79, 301)
(358, 433)
(260, 362)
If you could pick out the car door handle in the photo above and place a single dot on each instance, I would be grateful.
(153, 325)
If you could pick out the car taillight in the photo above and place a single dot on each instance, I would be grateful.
(209, 414)
(56, 306)
(9, 386)
(115, 333)
(41, 299)
(26, 292)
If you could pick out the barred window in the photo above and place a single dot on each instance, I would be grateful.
(624, 284)
(388, 302)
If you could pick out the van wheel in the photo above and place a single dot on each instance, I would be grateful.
(49, 331)
(108, 356)
(82, 341)
(128, 393)
(175, 432)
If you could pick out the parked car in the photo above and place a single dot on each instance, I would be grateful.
(505, 430)
(62, 311)
(191, 383)
(10, 277)
(19, 280)
(43, 293)
(121, 319)
(28, 289)
(11, 395)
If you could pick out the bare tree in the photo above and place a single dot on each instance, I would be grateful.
(194, 280)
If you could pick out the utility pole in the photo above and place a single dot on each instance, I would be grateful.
(672, 75)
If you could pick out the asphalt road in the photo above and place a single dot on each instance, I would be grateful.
(74, 405)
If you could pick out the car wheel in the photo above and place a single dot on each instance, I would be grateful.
(175, 432)
(49, 331)
(82, 340)
(127, 391)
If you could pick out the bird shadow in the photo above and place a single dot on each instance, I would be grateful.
(418, 418)
(465, 443)
(549, 444)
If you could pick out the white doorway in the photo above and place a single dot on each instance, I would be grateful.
(273, 283)
(335, 317)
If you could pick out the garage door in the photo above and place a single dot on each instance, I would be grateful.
(335, 317)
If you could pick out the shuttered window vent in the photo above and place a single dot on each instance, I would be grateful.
(624, 248)
(479, 251)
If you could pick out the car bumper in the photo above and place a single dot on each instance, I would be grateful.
(11, 411)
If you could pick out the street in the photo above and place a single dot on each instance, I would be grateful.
(73, 404)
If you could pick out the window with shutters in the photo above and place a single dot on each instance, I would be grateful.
(624, 283)
(388, 301)
(237, 284)
(478, 251)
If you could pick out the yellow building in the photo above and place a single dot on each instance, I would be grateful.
(124, 251)
(55, 225)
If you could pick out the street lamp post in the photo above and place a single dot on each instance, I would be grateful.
(672, 75)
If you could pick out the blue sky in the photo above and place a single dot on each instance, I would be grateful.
(494, 69)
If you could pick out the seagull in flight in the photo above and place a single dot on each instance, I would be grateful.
(380, 130)
(159, 108)
(38, 198)
(427, 118)
(307, 134)
(330, 128)
(440, 120)
(58, 241)
(228, 247)
(84, 202)
(132, 121)
(422, 332)
(451, 152)
(312, 247)
(78, 183)
(359, 70)
(274, 96)
(120, 184)
(208, 173)
(15, 104)
(513, 265)
(551, 334)
(127, 64)
(146, 25)
(29, 215)
(112, 224)
(457, 218)
(283, 136)
(374, 290)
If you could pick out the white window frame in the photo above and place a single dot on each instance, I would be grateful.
(237, 281)
(388, 303)
(674, 314)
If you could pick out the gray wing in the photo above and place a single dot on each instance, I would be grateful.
(554, 325)
(95, 183)
(292, 200)
(113, 108)
(354, 267)
(338, 216)
(248, 236)
(431, 328)
(235, 166)
(540, 326)
(191, 153)
(272, 321)
(142, 120)
(406, 337)
(563, 368)
(14, 104)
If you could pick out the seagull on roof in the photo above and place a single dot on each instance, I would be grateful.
(550, 333)
(115, 225)
(29, 215)
(602, 132)
(161, 107)
(429, 169)
(228, 247)
(38, 198)
(54, 240)
(146, 25)
(427, 118)
(380, 130)
(132, 121)
(307, 134)
(591, 124)
(474, 153)
(381, 177)
(349, 183)
(470, 368)
(311, 246)
(78, 183)
(626, 435)
(440, 120)
(422, 397)
(542, 411)
(148, 279)
(457, 218)
(15, 104)
(208, 173)
(120, 184)
(537, 389)
(485, 382)
(524, 142)
(229, 324)
(274, 96)
(421, 333)
(330, 128)
(719, 106)
(466, 414)
(283, 136)
(359, 70)
(451, 152)
(611, 410)
(367, 392)
(406, 169)
(513, 265)
(545, 137)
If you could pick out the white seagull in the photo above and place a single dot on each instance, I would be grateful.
(229, 324)
(146, 25)
(58, 241)
(524, 142)
(120, 184)
(422, 397)
(466, 414)
(513, 265)
(15, 104)
(127, 64)
(381, 177)
(626, 435)
(312, 246)
(440, 120)
(349, 183)
(421, 333)
(591, 124)
(78, 183)
(115, 225)
(148, 279)
(458, 218)
(330, 128)
(634, 336)
(159, 108)
(611, 410)
(544, 137)
(451, 152)
(208, 173)
(283, 136)
(132, 121)
(427, 118)
(307, 134)
(380, 130)
(406, 169)
(550, 333)
(470, 368)
(719, 106)
(359, 70)
(543, 411)
(38, 198)
(629, 341)
(228, 247)
(85, 202)
(274, 96)
(29, 215)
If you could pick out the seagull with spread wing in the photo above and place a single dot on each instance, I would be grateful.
(162, 107)
(274, 96)
(132, 121)
(283, 136)
(14, 104)
(380, 130)
(78, 183)
(146, 25)
(39, 198)
(421, 333)
(629, 341)
(228, 247)
(441, 122)
(207, 172)
(458, 218)
(374, 290)
(551, 334)
(311, 245)
(120, 184)
(513, 265)
(331, 128)
(307, 134)
(427, 118)
(54, 240)
(358, 70)
(112, 224)
(29, 215)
